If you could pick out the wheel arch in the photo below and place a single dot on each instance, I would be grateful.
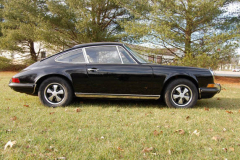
(41, 79)
(172, 78)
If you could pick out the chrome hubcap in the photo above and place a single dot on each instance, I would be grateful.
(54, 93)
(181, 95)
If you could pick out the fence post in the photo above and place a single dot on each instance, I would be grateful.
(151, 58)
(159, 59)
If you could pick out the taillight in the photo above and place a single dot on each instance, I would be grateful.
(15, 80)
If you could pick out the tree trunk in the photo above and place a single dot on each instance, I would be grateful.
(188, 31)
(33, 54)
(187, 42)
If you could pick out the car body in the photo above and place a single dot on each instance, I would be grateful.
(112, 70)
(236, 70)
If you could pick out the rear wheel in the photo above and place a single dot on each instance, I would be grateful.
(54, 92)
(181, 93)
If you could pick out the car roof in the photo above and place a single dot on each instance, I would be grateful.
(85, 45)
(96, 44)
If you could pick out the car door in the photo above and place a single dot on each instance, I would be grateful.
(110, 72)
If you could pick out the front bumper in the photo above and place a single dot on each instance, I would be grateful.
(27, 88)
(209, 92)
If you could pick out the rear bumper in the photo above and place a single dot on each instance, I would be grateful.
(209, 92)
(27, 88)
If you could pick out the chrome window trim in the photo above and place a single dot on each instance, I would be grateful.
(126, 96)
(119, 54)
(70, 62)
(85, 55)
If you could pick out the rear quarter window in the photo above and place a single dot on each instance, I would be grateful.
(72, 56)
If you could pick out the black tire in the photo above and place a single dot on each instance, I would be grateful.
(55, 92)
(181, 93)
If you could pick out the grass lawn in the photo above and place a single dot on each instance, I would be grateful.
(119, 129)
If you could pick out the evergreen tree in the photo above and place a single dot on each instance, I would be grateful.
(74, 22)
(22, 25)
(191, 26)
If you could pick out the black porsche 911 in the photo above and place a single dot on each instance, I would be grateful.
(112, 70)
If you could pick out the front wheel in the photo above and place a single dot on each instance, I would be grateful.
(54, 92)
(181, 93)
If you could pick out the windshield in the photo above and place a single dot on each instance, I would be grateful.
(136, 55)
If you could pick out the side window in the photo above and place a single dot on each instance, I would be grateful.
(125, 56)
(103, 54)
(73, 56)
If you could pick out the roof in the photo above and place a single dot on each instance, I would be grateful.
(96, 44)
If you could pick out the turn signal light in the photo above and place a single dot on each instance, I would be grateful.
(211, 86)
(15, 80)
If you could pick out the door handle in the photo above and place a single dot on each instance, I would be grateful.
(92, 69)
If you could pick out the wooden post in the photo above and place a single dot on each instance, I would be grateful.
(159, 59)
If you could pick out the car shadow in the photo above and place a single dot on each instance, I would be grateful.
(122, 103)
(217, 103)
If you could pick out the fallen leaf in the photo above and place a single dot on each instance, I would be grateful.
(120, 149)
(118, 110)
(180, 131)
(26, 105)
(225, 149)
(10, 144)
(196, 132)
(217, 138)
(218, 99)
(63, 158)
(239, 111)
(51, 113)
(147, 150)
(230, 112)
(170, 151)
(230, 119)
(78, 110)
(167, 126)
(14, 118)
(210, 129)
(156, 133)
(187, 118)
(224, 89)
(79, 130)
(210, 149)
(231, 149)
(206, 109)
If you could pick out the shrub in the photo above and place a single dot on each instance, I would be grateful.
(203, 61)
(4, 63)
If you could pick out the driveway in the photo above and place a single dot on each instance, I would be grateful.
(227, 73)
